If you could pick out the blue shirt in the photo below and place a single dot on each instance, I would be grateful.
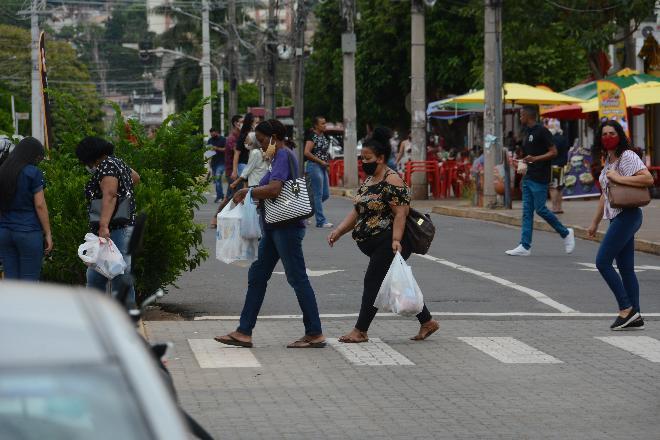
(280, 170)
(22, 216)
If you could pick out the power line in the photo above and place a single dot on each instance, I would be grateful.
(571, 9)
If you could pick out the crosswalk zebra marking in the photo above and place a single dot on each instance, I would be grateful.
(212, 354)
(372, 353)
(510, 350)
(642, 346)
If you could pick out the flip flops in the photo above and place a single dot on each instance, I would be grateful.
(303, 343)
(230, 340)
(429, 331)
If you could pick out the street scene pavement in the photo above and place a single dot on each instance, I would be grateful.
(524, 349)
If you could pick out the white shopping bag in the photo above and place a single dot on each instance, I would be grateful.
(229, 245)
(89, 250)
(250, 227)
(399, 292)
(102, 255)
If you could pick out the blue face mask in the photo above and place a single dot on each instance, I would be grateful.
(90, 170)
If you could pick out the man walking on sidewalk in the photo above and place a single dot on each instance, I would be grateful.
(538, 152)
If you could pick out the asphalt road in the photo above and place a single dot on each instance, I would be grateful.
(571, 281)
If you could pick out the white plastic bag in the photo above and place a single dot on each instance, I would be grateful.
(229, 245)
(250, 227)
(399, 292)
(102, 255)
(89, 250)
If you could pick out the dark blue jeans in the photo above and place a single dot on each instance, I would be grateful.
(22, 254)
(321, 188)
(619, 244)
(535, 195)
(285, 244)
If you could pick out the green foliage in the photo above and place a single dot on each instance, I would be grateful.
(170, 165)
(542, 44)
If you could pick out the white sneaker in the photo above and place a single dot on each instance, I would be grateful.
(326, 226)
(569, 241)
(520, 251)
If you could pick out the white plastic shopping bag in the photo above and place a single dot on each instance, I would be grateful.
(229, 245)
(102, 255)
(250, 227)
(399, 292)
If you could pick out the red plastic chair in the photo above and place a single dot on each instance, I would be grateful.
(430, 167)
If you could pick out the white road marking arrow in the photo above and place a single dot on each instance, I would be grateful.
(316, 273)
(591, 267)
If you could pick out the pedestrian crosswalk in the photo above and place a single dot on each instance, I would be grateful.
(375, 353)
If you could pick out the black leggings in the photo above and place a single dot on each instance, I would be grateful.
(379, 251)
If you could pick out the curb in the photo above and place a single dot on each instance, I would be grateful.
(494, 216)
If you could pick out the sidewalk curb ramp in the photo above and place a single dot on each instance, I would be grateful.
(647, 246)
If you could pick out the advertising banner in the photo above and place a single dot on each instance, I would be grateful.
(612, 104)
(578, 179)
(44, 91)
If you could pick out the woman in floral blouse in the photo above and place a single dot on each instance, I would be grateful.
(378, 222)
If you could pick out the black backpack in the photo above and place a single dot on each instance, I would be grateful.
(419, 232)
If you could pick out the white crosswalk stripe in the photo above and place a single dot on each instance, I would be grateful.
(642, 346)
(212, 354)
(372, 353)
(510, 350)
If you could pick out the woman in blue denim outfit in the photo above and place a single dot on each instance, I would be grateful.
(277, 243)
(24, 225)
(111, 181)
(622, 166)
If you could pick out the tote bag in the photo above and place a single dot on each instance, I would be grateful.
(295, 202)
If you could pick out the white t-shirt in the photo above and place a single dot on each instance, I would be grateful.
(628, 164)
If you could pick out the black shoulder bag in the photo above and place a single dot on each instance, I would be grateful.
(419, 231)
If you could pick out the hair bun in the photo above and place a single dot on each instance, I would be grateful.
(382, 135)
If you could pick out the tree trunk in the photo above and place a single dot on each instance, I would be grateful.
(594, 65)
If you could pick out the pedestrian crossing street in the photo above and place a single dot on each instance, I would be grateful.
(506, 350)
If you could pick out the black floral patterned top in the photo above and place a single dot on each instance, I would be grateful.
(114, 167)
(372, 204)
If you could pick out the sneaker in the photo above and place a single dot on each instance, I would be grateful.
(520, 251)
(623, 323)
(569, 241)
(637, 324)
(326, 226)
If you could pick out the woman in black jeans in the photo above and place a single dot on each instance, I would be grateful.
(378, 222)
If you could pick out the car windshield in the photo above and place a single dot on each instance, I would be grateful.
(69, 403)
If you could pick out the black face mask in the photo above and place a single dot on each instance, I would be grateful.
(369, 168)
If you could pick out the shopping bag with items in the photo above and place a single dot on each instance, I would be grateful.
(250, 227)
(102, 255)
(399, 292)
(230, 247)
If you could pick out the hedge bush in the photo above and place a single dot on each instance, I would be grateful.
(171, 167)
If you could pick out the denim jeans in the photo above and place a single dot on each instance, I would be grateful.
(321, 188)
(619, 244)
(285, 244)
(22, 254)
(535, 195)
(121, 238)
(218, 171)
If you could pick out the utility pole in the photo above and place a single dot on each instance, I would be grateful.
(418, 95)
(37, 101)
(221, 93)
(269, 101)
(233, 57)
(299, 79)
(493, 95)
(348, 48)
(206, 66)
(14, 119)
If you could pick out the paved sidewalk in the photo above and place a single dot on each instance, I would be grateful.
(577, 214)
(474, 379)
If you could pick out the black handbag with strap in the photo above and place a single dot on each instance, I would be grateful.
(295, 202)
(419, 232)
(120, 217)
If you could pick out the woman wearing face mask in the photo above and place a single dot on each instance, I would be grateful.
(257, 165)
(378, 222)
(24, 225)
(277, 243)
(622, 166)
(111, 181)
